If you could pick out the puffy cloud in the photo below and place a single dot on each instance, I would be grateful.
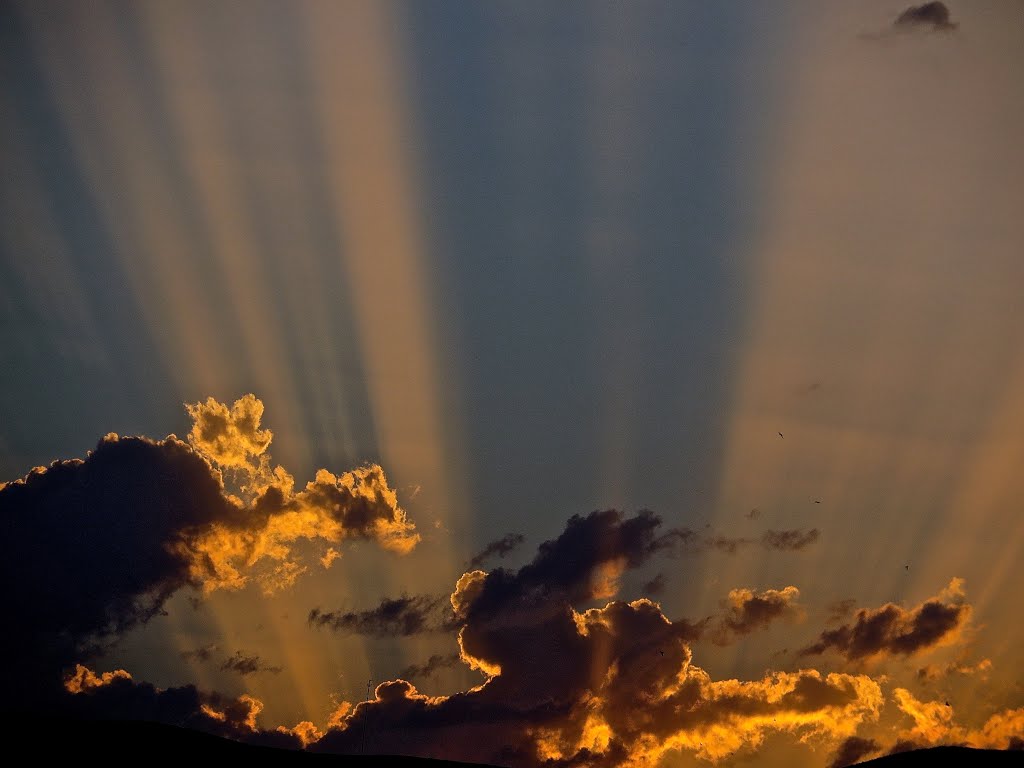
(609, 685)
(229, 436)
(934, 723)
(1003, 730)
(427, 669)
(115, 696)
(244, 664)
(852, 749)
(747, 611)
(499, 547)
(894, 630)
(931, 16)
(399, 616)
(92, 547)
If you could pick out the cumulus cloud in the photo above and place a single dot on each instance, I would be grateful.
(747, 611)
(398, 616)
(930, 16)
(567, 684)
(245, 664)
(894, 630)
(92, 547)
(116, 696)
(852, 749)
(432, 665)
(499, 547)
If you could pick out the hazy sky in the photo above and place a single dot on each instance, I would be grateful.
(749, 273)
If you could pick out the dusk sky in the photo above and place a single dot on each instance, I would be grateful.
(637, 382)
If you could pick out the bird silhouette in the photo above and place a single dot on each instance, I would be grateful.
(782, 436)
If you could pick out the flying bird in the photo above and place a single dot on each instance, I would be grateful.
(907, 567)
(782, 436)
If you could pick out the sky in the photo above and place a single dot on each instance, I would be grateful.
(518, 382)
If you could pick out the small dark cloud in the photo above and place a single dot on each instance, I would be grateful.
(792, 540)
(202, 653)
(852, 750)
(840, 610)
(894, 630)
(244, 664)
(394, 617)
(903, 745)
(435, 663)
(929, 16)
(747, 611)
(655, 586)
(497, 548)
(726, 544)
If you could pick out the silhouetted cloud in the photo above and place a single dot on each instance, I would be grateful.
(793, 539)
(601, 685)
(499, 548)
(892, 629)
(114, 695)
(399, 616)
(244, 664)
(748, 611)
(931, 16)
(655, 586)
(427, 669)
(852, 749)
(93, 547)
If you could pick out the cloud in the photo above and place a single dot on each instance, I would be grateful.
(934, 723)
(203, 653)
(247, 665)
(893, 630)
(435, 663)
(610, 685)
(787, 540)
(499, 547)
(655, 586)
(793, 539)
(852, 749)
(931, 16)
(400, 616)
(932, 672)
(90, 548)
(116, 696)
(748, 611)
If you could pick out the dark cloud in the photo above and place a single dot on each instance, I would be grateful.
(839, 610)
(792, 539)
(903, 745)
(655, 586)
(894, 630)
(499, 548)
(203, 653)
(852, 749)
(435, 663)
(91, 548)
(244, 664)
(931, 16)
(748, 611)
(726, 544)
(581, 564)
(115, 696)
(602, 686)
(399, 616)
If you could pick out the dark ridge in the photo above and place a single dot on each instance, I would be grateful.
(110, 742)
(953, 756)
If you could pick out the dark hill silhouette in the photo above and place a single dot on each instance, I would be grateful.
(134, 742)
(954, 756)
